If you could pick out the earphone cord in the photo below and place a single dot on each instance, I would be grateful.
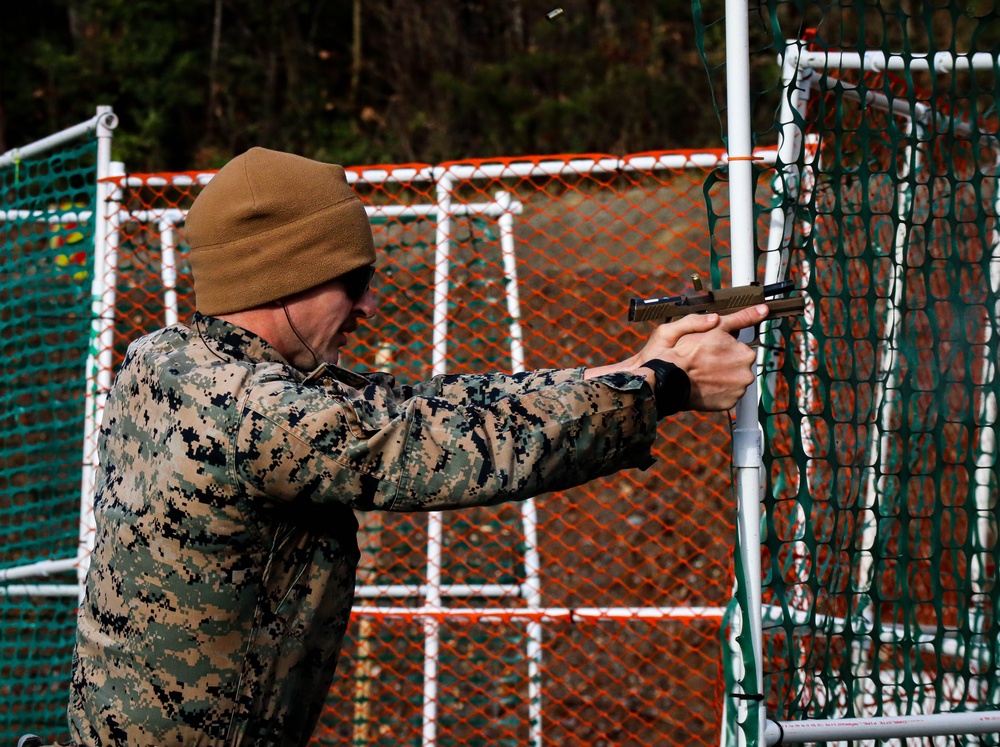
(296, 333)
(201, 336)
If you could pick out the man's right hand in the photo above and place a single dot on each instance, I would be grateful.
(704, 346)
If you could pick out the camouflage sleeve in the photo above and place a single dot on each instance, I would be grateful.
(483, 390)
(371, 449)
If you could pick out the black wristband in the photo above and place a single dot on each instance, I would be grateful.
(673, 387)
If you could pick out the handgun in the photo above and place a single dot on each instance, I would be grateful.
(718, 301)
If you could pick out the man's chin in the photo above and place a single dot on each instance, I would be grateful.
(332, 357)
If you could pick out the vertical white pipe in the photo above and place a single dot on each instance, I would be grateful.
(442, 258)
(168, 270)
(747, 441)
(435, 532)
(986, 463)
(531, 589)
(99, 355)
(796, 88)
(506, 224)
(886, 399)
(797, 85)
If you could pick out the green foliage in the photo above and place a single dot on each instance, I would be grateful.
(424, 82)
(418, 82)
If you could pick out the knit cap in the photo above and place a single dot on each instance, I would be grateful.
(271, 224)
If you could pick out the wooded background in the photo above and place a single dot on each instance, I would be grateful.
(379, 81)
(394, 81)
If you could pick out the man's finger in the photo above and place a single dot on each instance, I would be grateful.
(745, 318)
(687, 325)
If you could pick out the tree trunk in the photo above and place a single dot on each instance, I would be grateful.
(3, 124)
(212, 115)
(356, 56)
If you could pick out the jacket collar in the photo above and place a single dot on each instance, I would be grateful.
(237, 343)
(241, 344)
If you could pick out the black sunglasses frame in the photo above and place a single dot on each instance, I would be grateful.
(356, 281)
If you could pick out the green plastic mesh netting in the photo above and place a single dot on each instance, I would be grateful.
(46, 266)
(879, 406)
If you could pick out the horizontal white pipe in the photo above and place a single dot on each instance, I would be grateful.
(475, 613)
(545, 613)
(40, 590)
(108, 119)
(403, 591)
(41, 568)
(920, 112)
(579, 166)
(166, 216)
(173, 180)
(673, 161)
(47, 216)
(886, 727)
(645, 163)
(401, 174)
(468, 172)
(492, 209)
(582, 166)
(174, 216)
(899, 106)
(676, 162)
(949, 646)
(877, 61)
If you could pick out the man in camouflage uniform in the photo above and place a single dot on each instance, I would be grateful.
(234, 452)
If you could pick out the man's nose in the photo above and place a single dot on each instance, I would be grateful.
(366, 305)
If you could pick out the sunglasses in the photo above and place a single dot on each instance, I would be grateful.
(356, 282)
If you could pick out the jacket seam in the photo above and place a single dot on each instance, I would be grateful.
(241, 493)
(405, 450)
(345, 465)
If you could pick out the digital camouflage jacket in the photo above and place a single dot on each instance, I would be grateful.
(222, 578)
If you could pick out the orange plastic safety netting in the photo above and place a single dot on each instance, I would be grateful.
(589, 616)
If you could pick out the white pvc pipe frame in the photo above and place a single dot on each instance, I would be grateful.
(167, 219)
(800, 70)
(748, 444)
(747, 441)
(101, 126)
(434, 591)
(889, 727)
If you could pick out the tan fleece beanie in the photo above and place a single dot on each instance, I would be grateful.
(271, 224)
